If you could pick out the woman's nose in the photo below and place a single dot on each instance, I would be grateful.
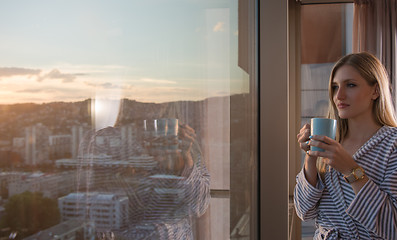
(340, 93)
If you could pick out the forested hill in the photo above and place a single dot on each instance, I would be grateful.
(59, 117)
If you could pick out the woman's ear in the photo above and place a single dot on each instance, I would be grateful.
(376, 94)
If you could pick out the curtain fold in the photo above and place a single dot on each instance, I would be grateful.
(374, 31)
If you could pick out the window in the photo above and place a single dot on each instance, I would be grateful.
(326, 36)
(149, 101)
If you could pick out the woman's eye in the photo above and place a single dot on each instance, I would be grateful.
(334, 87)
(351, 85)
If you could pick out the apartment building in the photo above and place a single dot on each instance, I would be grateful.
(105, 210)
(51, 185)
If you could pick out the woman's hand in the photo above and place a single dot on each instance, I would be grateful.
(310, 161)
(334, 155)
(303, 137)
(187, 136)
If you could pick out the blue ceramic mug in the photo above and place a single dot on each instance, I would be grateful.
(324, 127)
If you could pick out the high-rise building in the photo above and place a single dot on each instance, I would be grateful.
(18, 145)
(60, 146)
(36, 144)
(129, 143)
(78, 132)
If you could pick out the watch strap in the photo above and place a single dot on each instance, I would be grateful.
(356, 174)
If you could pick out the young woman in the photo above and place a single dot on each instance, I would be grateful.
(162, 199)
(352, 191)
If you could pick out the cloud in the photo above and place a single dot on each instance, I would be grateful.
(38, 73)
(49, 94)
(222, 93)
(57, 92)
(158, 81)
(92, 69)
(38, 90)
(30, 91)
(106, 85)
(91, 84)
(14, 71)
(219, 27)
(56, 74)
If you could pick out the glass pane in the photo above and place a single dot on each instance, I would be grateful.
(126, 119)
(326, 35)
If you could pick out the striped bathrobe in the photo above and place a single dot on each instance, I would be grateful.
(338, 212)
(161, 206)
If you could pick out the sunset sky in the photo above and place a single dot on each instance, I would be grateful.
(147, 50)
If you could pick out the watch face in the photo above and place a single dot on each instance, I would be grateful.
(359, 172)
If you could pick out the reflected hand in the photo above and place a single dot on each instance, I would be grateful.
(188, 139)
(175, 161)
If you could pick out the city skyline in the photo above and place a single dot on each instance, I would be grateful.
(157, 51)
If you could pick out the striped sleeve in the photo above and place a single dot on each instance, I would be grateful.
(375, 207)
(306, 197)
(198, 189)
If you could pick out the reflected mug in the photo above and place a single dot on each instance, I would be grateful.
(172, 127)
(156, 127)
(166, 127)
(324, 127)
(162, 133)
(160, 127)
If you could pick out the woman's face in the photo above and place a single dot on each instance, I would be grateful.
(352, 95)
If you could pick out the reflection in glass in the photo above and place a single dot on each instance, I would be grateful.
(149, 184)
(114, 114)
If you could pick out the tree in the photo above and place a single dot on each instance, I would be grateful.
(28, 213)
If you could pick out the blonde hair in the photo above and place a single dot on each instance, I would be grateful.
(373, 71)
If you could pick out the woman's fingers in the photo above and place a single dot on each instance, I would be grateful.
(304, 146)
(327, 144)
(324, 139)
(186, 132)
(305, 130)
(306, 126)
(303, 143)
(322, 142)
(319, 154)
(322, 145)
(303, 137)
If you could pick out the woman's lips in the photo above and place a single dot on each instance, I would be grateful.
(342, 105)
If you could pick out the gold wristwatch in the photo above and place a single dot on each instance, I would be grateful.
(356, 174)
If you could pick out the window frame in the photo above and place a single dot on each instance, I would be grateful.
(273, 129)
